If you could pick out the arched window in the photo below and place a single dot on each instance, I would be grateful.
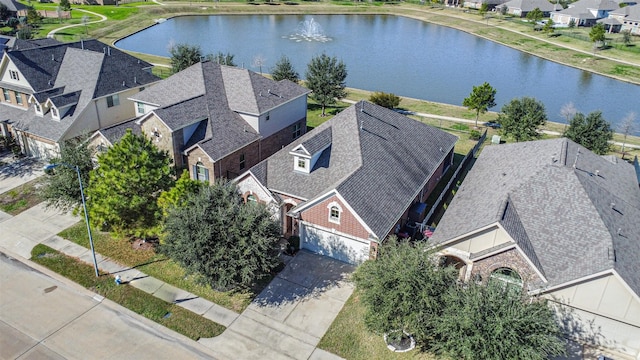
(335, 211)
(507, 275)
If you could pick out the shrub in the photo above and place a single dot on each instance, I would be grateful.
(474, 135)
(388, 100)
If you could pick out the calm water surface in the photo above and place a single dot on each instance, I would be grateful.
(397, 55)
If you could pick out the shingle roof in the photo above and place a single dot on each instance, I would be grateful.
(530, 5)
(116, 132)
(630, 12)
(217, 94)
(378, 161)
(12, 5)
(73, 73)
(579, 221)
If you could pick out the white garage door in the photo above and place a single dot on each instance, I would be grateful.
(40, 149)
(333, 245)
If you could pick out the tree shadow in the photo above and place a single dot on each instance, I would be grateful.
(21, 167)
(307, 276)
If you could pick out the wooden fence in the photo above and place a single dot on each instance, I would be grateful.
(453, 181)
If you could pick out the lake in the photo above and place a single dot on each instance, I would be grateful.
(397, 55)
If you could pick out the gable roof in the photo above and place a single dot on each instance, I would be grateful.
(578, 211)
(116, 132)
(72, 74)
(217, 94)
(630, 12)
(530, 5)
(376, 159)
(13, 5)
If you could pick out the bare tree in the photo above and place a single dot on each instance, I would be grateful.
(627, 126)
(568, 111)
(258, 61)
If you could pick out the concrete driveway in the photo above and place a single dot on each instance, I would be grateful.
(14, 173)
(290, 316)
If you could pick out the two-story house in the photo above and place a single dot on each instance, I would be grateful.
(349, 183)
(52, 93)
(586, 12)
(626, 19)
(216, 120)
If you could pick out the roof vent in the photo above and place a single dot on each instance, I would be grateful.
(613, 205)
(49, 82)
(108, 51)
(123, 83)
(597, 172)
(53, 57)
(82, 44)
(361, 124)
(104, 50)
(575, 162)
(135, 80)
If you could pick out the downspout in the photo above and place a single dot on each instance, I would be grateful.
(95, 106)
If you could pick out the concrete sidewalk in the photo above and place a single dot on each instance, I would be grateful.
(146, 283)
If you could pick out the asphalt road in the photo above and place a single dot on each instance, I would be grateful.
(45, 317)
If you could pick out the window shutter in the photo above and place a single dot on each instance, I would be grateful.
(195, 172)
(206, 174)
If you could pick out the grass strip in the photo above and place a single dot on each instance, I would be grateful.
(20, 198)
(169, 315)
(157, 266)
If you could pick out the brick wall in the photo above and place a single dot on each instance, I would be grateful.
(319, 214)
(13, 95)
(197, 155)
(229, 166)
(510, 259)
(284, 137)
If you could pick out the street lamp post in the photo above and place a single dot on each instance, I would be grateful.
(84, 206)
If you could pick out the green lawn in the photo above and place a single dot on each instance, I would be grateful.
(158, 266)
(20, 198)
(348, 337)
(172, 316)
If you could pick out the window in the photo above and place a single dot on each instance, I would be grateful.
(251, 199)
(14, 75)
(113, 100)
(7, 97)
(38, 108)
(334, 212)
(200, 172)
(507, 275)
(141, 88)
(54, 112)
(302, 164)
(242, 162)
(18, 98)
(268, 117)
(140, 108)
(297, 130)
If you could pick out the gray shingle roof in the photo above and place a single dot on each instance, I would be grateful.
(630, 12)
(378, 161)
(217, 94)
(575, 219)
(530, 5)
(12, 5)
(116, 132)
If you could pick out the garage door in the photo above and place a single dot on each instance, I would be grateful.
(333, 245)
(40, 149)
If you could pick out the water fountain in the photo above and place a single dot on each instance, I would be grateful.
(309, 30)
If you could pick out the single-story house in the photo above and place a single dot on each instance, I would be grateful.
(13, 7)
(54, 91)
(521, 8)
(349, 183)
(585, 12)
(627, 18)
(216, 120)
(560, 221)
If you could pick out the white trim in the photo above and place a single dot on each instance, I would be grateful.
(334, 231)
(634, 294)
(242, 176)
(337, 206)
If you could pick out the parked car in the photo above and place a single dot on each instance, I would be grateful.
(492, 124)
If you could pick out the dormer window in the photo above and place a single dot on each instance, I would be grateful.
(140, 108)
(302, 164)
(54, 113)
(38, 108)
(335, 210)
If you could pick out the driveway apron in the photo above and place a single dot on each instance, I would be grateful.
(290, 316)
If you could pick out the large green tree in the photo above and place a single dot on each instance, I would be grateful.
(325, 77)
(124, 187)
(221, 58)
(481, 99)
(591, 131)
(220, 239)
(33, 16)
(521, 118)
(283, 70)
(495, 322)
(177, 195)
(183, 56)
(402, 289)
(65, 5)
(61, 188)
